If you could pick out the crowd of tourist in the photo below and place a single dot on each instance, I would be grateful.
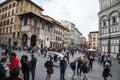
(81, 65)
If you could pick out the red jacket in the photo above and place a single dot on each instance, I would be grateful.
(15, 63)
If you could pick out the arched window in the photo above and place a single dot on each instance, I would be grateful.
(14, 4)
(114, 19)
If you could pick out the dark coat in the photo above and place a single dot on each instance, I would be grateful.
(73, 65)
(79, 64)
(63, 65)
(24, 67)
(33, 63)
(49, 66)
(2, 72)
(85, 68)
(106, 72)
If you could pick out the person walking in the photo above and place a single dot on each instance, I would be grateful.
(63, 66)
(91, 59)
(85, 69)
(79, 66)
(15, 61)
(25, 67)
(49, 66)
(73, 67)
(2, 69)
(106, 71)
(33, 65)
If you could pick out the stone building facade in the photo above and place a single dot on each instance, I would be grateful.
(7, 21)
(93, 40)
(84, 43)
(109, 26)
(75, 34)
(23, 24)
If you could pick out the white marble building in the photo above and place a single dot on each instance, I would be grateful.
(109, 26)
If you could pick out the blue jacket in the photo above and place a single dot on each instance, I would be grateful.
(73, 65)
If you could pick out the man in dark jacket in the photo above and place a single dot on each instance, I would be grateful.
(49, 66)
(79, 66)
(2, 69)
(63, 66)
(33, 66)
(25, 67)
(91, 59)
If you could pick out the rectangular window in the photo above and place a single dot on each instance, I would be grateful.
(116, 49)
(25, 21)
(10, 29)
(14, 35)
(112, 49)
(35, 22)
(7, 30)
(93, 38)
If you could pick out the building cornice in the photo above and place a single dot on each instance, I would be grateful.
(6, 1)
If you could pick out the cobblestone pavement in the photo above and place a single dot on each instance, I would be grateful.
(95, 74)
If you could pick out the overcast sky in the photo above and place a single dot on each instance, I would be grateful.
(83, 13)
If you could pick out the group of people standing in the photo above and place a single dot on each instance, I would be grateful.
(78, 66)
(14, 67)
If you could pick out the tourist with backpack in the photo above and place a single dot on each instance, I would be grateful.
(73, 67)
(25, 67)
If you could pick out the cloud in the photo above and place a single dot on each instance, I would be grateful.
(83, 13)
